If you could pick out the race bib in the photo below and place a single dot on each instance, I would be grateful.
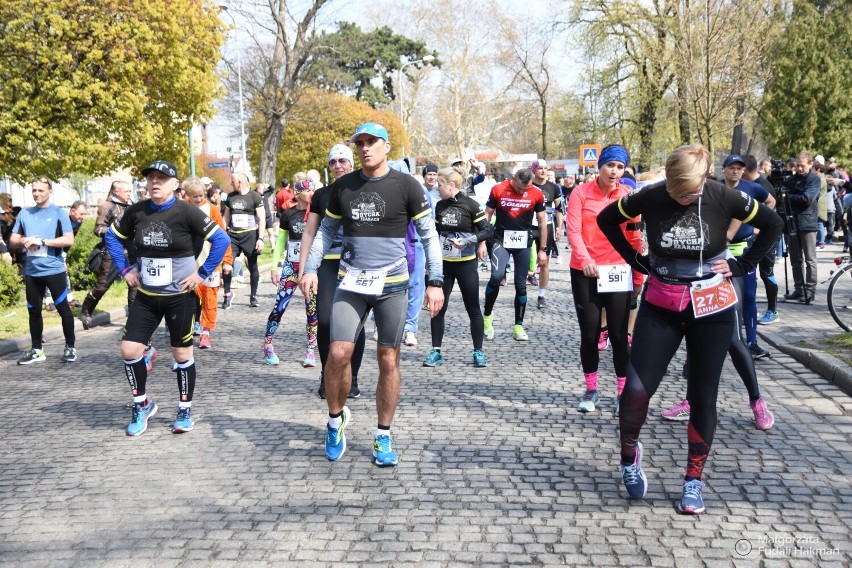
(294, 249)
(40, 251)
(712, 296)
(212, 281)
(449, 249)
(366, 282)
(615, 278)
(242, 221)
(156, 271)
(515, 239)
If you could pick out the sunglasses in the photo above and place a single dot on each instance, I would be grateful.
(341, 161)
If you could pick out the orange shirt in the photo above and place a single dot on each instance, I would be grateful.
(588, 243)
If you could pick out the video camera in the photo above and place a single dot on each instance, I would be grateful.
(778, 175)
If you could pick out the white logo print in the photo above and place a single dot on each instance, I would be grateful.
(450, 219)
(368, 208)
(684, 233)
(157, 235)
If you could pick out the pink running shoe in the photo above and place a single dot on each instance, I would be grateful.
(603, 341)
(679, 412)
(763, 419)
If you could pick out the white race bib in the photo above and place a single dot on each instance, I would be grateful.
(515, 239)
(448, 249)
(366, 282)
(156, 271)
(40, 251)
(294, 249)
(615, 278)
(243, 221)
(212, 281)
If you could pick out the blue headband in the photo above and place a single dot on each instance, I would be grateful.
(614, 153)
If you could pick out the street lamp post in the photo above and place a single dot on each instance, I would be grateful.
(426, 59)
(224, 7)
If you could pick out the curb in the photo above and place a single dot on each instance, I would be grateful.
(827, 366)
(22, 342)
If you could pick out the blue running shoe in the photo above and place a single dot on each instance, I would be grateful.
(768, 318)
(141, 414)
(691, 503)
(335, 438)
(588, 401)
(479, 358)
(634, 479)
(269, 354)
(150, 356)
(433, 359)
(384, 450)
(184, 422)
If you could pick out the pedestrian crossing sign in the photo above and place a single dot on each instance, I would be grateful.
(589, 154)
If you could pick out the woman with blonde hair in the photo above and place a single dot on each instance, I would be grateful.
(689, 294)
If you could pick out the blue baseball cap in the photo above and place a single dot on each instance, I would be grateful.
(733, 159)
(371, 128)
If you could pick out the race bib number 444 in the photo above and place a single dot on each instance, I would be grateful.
(515, 239)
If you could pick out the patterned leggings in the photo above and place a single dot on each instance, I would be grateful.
(286, 287)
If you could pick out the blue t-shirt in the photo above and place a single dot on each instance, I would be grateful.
(48, 223)
(758, 193)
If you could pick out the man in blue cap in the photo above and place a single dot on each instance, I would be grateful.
(374, 205)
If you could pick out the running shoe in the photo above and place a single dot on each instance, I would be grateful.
(227, 301)
(410, 339)
(335, 438)
(321, 389)
(433, 359)
(691, 502)
(150, 356)
(75, 303)
(763, 419)
(603, 340)
(196, 329)
(519, 334)
(504, 281)
(32, 356)
(253, 303)
(51, 307)
(86, 318)
(633, 477)
(204, 342)
(183, 422)
(70, 355)
(483, 267)
(384, 450)
(479, 358)
(269, 355)
(541, 302)
(141, 414)
(533, 279)
(679, 412)
(354, 391)
(757, 352)
(768, 318)
(310, 359)
(588, 401)
(488, 322)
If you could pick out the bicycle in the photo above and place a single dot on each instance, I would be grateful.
(840, 293)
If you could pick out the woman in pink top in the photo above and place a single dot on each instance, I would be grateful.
(599, 276)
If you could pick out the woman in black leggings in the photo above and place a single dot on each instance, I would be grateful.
(463, 229)
(340, 162)
(688, 295)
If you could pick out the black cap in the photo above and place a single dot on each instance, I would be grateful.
(162, 166)
(430, 168)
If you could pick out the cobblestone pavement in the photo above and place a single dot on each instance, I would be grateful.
(496, 465)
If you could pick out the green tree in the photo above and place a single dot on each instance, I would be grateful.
(808, 101)
(350, 60)
(93, 86)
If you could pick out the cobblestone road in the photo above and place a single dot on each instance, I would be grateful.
(496, 465)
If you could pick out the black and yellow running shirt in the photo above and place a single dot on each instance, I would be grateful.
(460, 218)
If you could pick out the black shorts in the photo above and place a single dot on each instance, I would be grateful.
(244, 243)
(551, 239)
(146, 312)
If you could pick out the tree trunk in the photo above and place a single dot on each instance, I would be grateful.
(269, 152)
(682, 114)
(543, 129)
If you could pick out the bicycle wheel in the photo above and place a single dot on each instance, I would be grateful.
(840, 297)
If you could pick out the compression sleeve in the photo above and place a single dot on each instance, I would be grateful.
(116, 251)
(280, 244)
(219, 243)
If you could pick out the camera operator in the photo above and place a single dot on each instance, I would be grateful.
(802, 193)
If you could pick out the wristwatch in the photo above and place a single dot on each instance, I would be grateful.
(435, 283)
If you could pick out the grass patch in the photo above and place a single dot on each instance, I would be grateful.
(14, 321)
(840, 346)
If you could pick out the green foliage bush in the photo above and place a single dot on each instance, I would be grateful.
(84, 242)
(11, 285)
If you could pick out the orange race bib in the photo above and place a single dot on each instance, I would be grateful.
(712, 296)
